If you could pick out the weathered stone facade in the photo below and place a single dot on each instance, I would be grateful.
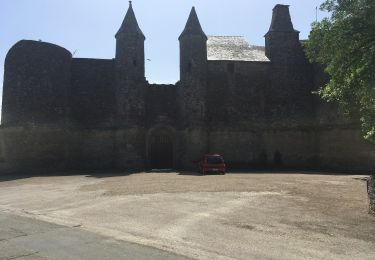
(253, 104)
(371, 193)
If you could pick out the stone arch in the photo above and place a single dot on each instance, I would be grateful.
(161, 147)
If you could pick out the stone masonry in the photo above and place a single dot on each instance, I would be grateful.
(371, 193)
(253, 104)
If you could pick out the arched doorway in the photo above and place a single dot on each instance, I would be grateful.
(160, 149)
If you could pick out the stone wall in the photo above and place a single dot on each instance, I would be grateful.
(33, 149)
(240, 149)
(92, 149)
(130, 145)
(192, 144)
(371, 193)
(289, 95)
(192, 87)
(48, 149)
(4, 167)
(161, 104)
(64, 113)
(92, 93)
(265, 148)
(36, 83)
(253, 93)
(343, 148)
(236, 95)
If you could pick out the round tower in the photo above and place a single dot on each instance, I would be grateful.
(130, 71)
(36, 83)
(193, 50)
(130, 53)
(192, 92)
(130, 93)
(193, 70)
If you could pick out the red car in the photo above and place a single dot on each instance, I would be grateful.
(212, 163)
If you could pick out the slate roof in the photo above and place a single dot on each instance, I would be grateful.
(234, 48)
(193, 26)
(130, 24)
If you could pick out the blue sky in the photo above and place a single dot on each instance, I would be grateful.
(87, 27)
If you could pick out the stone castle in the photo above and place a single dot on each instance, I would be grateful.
(252, 104)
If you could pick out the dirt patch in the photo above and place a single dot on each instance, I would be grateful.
(238, 215)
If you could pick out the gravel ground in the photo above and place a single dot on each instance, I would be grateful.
(236, 216)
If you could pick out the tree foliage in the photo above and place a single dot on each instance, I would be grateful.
(344, 44)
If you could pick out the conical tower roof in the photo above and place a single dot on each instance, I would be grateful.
(130, 24)
(193, 26)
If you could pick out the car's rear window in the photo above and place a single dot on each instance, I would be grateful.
(215, 160)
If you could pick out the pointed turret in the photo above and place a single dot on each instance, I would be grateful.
(130, 71)
(130, 58)
(193, 26)
(130, 25)
(193, 50)
(193, 69)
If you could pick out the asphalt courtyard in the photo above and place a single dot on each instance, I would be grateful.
(184, 215)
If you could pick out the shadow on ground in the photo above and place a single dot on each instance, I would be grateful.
(118, 173)
(89, 174)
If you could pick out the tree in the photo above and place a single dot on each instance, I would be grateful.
(344, 44)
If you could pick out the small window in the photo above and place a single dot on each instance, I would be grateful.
(135, 63)
(230, 67)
